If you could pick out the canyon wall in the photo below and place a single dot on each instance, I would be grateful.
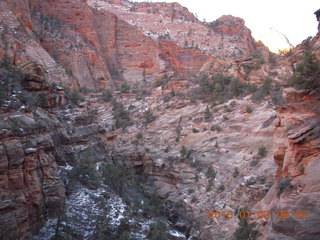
(98, 45)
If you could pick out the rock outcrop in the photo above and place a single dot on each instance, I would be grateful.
(293, 200)
(102, 44)
(31, 188)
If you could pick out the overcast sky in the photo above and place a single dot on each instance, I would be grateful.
(294, 18)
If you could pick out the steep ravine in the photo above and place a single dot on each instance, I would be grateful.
(180, 131)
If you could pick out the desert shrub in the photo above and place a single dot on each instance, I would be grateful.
(172, 159)
(249, 109)
(276, 97)
(172, 93)
(211, 174)
(124, 88)
(284, 185)
(215, 128)
(307, 73)
(271, 58)
(262, 91)
(121, 115)
(166, 99)
(219, 87)
(161, 82)
(148, 116)
(246, 229)
(73, 95)
(107, 95)
(10, 79)
(209, 185)
(262, 151)
(221, 188)
(69, 72)
(215, 24)
(257, 54)
(207, 114)
(139, 135)
(116, 177)
(85, 90)
(194, 130)
(158, 231)
(254, 163)
(84, 170)
(185, 153)
(29, 98)
(235, 172)
(301, 169)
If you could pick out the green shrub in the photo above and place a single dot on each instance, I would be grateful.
(209, 186)
(161, 82)
(158, 231)
(84, 90)
(194, 130)
(249, 109)
(185, 153)
(172, 159)
(235, 172)
(221, 188)
(84, 169)
(69, 72)
(29, 98)
(271, 58)
(73, 96)
(284, 185)
(121, 116)
(139, 135)
(263, 152)
(148, 116)
(211, 174)
(277, 98)
(246, 229)
(116, 177)
(254, 163)
(107, 95)
(301, 169)
(166, 99)
(10, 79)
(215, 128)
(207, 114)
(262, 91)
(172, 93)
(307, 73)
(124, 88)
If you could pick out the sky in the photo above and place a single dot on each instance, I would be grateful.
(293, 18)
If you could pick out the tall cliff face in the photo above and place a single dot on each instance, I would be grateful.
(102, 44)
(31, 188)
(225, 38)
(294, 198)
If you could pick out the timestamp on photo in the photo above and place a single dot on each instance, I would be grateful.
(246, 214)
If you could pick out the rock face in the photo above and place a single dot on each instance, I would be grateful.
(297, 190)
(102, 44)
(20, 44)
(31, 188)
(225, 38)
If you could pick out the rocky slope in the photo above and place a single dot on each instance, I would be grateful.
(185, 139)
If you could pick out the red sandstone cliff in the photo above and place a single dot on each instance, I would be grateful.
(104, 43)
